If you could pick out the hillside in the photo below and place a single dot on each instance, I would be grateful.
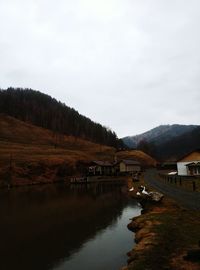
(179, 146)
(38, 155)
(44, 111)
(133, 141)
(167, 142)
(145, 159)
(158, 135)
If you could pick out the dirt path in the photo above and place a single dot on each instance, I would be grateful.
(187, 199)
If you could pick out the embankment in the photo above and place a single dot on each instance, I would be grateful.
(165, 234)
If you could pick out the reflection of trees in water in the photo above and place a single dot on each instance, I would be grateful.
(97, 189)
(42, 225)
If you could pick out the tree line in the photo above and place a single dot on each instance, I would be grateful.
(174, 148)
(42, 110)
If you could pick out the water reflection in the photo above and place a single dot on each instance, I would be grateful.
(46, 226)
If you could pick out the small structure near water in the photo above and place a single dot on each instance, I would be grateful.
(76, 180)
(128, 166)
(99, 167)
(122, 167)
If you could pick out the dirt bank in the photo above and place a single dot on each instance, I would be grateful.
(167, 237)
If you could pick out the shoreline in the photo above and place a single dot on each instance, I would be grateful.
(65, 180)
(161, 243)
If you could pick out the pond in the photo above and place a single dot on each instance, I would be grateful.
(55, 227)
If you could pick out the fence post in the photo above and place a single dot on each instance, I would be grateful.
(194, 185)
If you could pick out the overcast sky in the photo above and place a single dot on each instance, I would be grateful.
(129, 64)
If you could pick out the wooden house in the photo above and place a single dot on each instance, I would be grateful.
(128, 166)
(99, 167)
(189, 164)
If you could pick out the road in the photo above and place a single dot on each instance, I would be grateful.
(185, 198)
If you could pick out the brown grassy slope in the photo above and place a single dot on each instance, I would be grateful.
(165, 234)
(39, 155)
(137, 155)
(25, 139)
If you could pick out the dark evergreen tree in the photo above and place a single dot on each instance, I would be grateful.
(44, 111)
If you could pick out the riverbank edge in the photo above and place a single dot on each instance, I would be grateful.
(67, 181)
(150, 252)
(144, 237)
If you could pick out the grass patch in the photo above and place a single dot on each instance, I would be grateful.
(176, 230)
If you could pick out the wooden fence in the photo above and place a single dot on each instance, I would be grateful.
(190, 183)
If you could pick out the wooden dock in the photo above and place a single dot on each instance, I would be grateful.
(96, 179)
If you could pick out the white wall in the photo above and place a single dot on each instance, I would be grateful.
(182, 169)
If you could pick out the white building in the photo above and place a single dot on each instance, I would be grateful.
(189, 164)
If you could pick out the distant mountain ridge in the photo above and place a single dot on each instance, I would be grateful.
(167, 142)
(158, 134)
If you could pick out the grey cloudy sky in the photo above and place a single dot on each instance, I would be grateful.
(128, 64)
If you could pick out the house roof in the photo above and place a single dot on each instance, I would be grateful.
(184, 158)
(103, 163)
(190, 164)
(110, 164)
(167, 163)
(193, 164)
(130, 162)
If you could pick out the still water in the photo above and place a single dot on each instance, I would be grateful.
(54, 227)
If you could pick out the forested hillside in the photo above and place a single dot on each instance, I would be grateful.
(167, 142)
(174, 147)
(158, 135)
(44, 111)
(178, 146)
(30, 154)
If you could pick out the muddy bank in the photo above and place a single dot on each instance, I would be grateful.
(165, 234)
